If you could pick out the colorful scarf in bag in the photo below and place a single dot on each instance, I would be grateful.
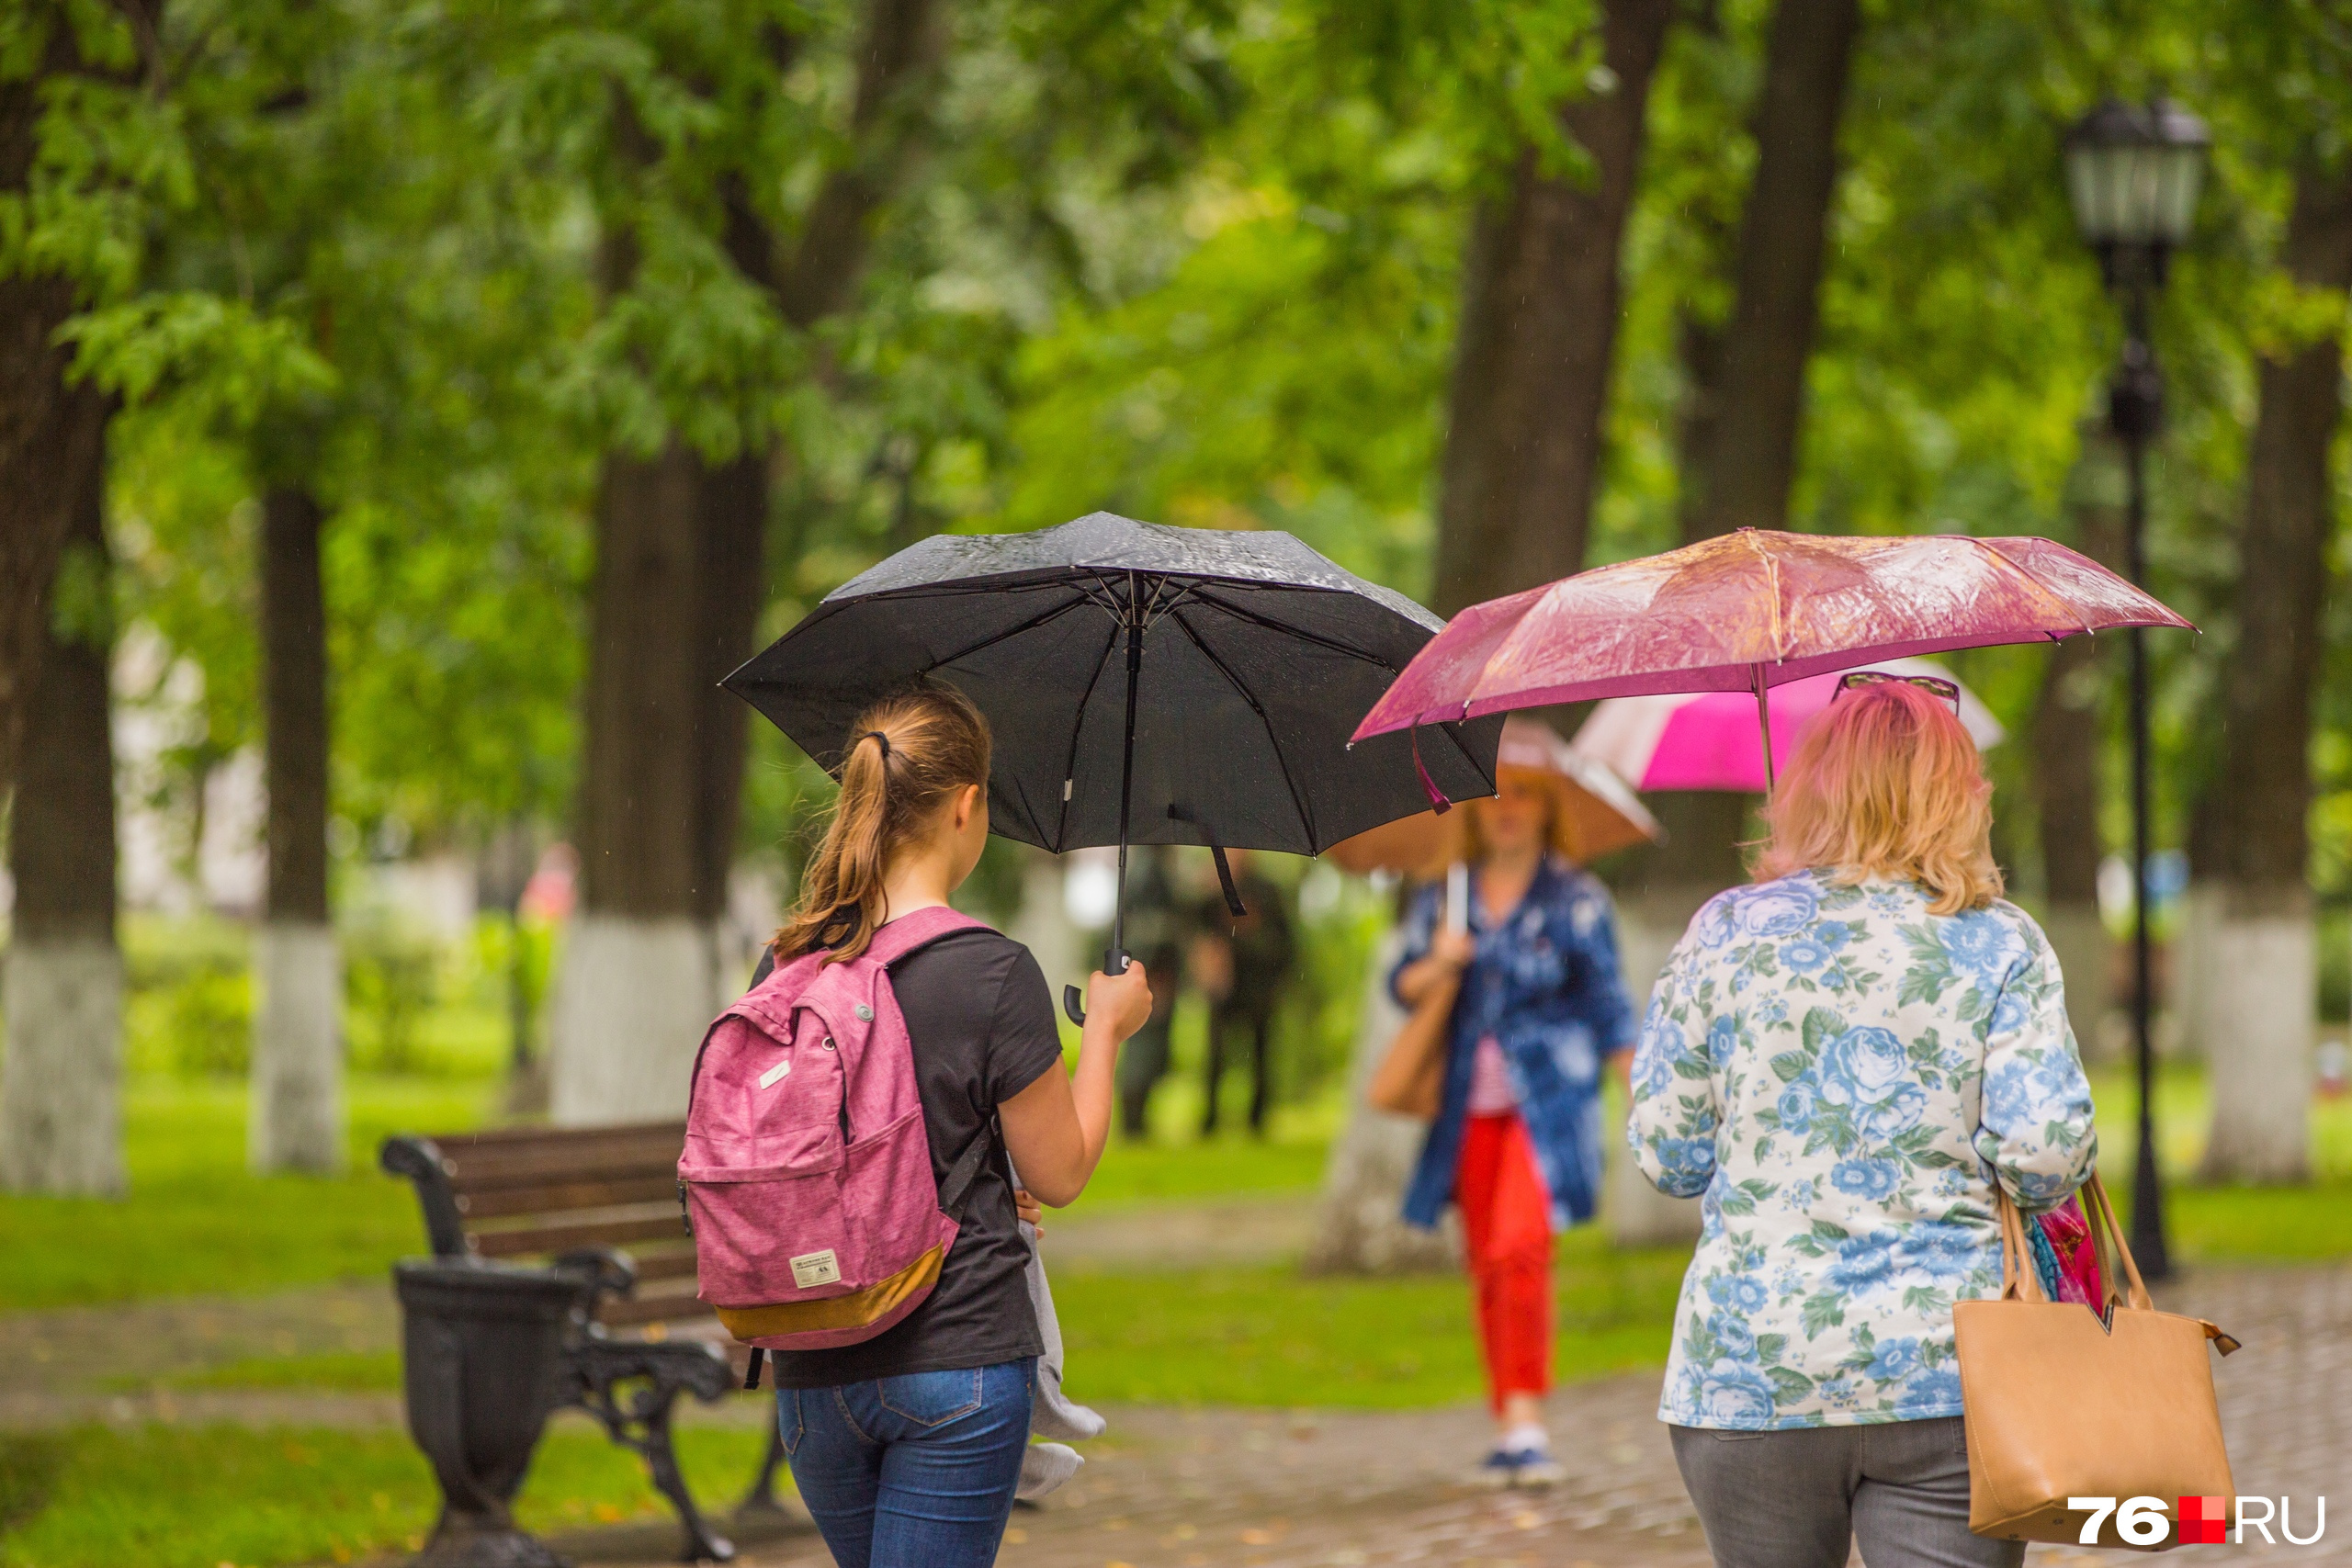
(2063, 1256)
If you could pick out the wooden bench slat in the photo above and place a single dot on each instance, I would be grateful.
(665, 1265)
(561, 1236)
(629, 1311)
(496, 1138)
(602, 1191)
(514, 1166)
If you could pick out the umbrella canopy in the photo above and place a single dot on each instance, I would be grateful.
(1597, 811)
(1143, 683)
(1751, 610)
(1709, 739)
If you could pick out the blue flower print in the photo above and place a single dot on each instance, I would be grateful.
(1941, 1252)
(1840, 1392)
(1806, 955)
(1778, 908)
(1864, 1263)
(1934, 1391)
(1688, 1162)
(1898, 1112)
(1870, 1179)
(1981, 943)
(1736, 1395)
(1732, 1332)
(1895, 1359)
(1744, 1293)
(1863, 1066)
(1846, 1075)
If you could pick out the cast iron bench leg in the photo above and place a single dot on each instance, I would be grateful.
(762, 1497)
(640, 1421)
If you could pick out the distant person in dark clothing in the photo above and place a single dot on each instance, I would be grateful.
(1241, 965)
(1156, 923)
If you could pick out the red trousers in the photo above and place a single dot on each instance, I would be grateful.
(1507, 1224)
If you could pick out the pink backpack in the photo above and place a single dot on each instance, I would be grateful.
(806, 1172)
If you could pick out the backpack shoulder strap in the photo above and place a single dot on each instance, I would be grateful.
(920, 928)
(957, 1188)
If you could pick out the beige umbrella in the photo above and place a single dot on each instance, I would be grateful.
(1597, 811)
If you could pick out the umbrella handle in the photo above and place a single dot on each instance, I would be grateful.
(1073, 1001)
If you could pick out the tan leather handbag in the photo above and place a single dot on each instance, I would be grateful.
(2061, 1404)
(1410, 1078)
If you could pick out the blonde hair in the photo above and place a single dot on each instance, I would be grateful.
(1887, 784)
(907, 756)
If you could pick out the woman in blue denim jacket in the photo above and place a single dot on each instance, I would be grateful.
(1516, 1139)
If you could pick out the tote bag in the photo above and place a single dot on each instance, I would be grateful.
(2064, 1402)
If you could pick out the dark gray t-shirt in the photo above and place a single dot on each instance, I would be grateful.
(982, 1022)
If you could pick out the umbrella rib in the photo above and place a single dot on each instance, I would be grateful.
(1078, 728)
(1298, 802)
(1031, 625)
(1239, 613)
(2007, 559)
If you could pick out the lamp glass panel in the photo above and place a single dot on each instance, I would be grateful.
(2180, 176)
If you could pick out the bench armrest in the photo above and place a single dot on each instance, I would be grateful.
(419, 1159)
(604, 1270)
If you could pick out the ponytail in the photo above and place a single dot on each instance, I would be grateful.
(908, 755)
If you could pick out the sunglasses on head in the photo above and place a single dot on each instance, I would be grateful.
(1934, 685)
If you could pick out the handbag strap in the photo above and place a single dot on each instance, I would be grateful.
(2020, 1282)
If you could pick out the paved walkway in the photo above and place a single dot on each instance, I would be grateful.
(1209, 1488)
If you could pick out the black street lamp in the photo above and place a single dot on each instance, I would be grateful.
(2134, 175)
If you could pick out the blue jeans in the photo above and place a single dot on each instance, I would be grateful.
(911, 1471)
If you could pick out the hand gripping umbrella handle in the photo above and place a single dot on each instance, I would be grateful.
(1074, 1001)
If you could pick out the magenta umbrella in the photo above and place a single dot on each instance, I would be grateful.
(1710, 740)
(1753, 610)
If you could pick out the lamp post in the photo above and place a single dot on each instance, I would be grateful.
(2133, 175)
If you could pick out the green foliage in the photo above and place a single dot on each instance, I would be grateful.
(190, 1005)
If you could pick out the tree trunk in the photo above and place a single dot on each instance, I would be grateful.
(1751, 456)
(2068, 736)
(295, 1115)
(639, 981)
(1358, 1229)
(60, 1116)
(680, 580)
(2261, 974)
(1531, 375)
(1539, 327)
(51, 434)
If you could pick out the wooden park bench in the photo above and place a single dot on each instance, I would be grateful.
(603, 1203)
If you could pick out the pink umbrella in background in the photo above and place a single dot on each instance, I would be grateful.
(1709, 739)
(1753, 610)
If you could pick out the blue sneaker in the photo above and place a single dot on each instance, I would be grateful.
(1530, 1469)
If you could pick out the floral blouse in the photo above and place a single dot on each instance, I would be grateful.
(1842, 1075)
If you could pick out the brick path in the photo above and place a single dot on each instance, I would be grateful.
(1209, 1489)
(1205, 1489)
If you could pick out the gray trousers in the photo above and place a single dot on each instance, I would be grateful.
(1799, 1499)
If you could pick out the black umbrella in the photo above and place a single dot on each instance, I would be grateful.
(1144, 684)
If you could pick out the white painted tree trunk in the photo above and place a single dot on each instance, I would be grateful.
(61, 1079)
(1357, 1227)
(1637, 1213)
(633, 1000)
(2085, 954)
(2260, 984)
(295, 1120)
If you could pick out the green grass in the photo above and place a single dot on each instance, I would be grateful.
(195, 1497)
(1266, 1337)
(340, 1371)
(197, 1222)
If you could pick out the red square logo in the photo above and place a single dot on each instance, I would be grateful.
(2204, 1521)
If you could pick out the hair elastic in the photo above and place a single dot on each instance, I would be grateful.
(880, 740)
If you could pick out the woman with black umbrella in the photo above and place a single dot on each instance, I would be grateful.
(907, 1447)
